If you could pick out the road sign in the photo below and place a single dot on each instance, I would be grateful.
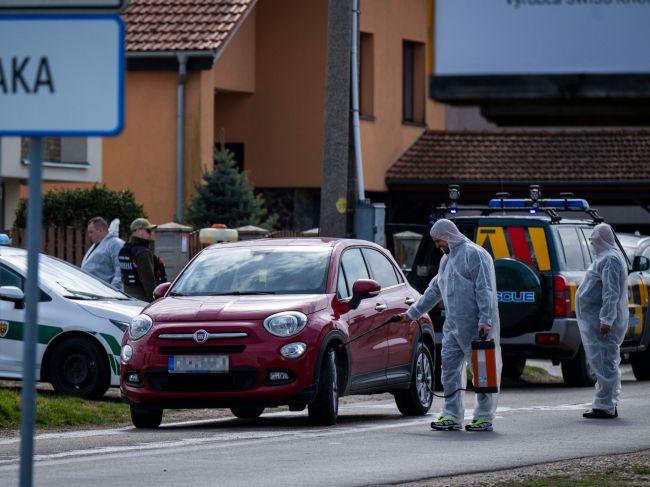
(61, 75)
(103, 5)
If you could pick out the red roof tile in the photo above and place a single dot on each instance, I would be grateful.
(181, 25)
(599, 156)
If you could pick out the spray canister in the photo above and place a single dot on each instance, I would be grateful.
(484, 365)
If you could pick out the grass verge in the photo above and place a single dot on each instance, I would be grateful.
(55, 411)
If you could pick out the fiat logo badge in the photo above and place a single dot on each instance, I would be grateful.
(200, 336)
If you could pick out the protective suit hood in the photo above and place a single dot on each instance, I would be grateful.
(602, 238)
(447, 230)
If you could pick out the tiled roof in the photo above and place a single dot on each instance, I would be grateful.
(522, 156)
(181, 25)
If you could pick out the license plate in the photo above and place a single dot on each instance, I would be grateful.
(205, 364)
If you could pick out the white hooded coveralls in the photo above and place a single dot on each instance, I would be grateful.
(466, 284)
(602, 298)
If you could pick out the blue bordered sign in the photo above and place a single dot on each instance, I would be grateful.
(61, 75)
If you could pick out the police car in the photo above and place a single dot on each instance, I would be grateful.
(81, 321)
(541, 254)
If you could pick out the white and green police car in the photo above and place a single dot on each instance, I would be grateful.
(81, 321)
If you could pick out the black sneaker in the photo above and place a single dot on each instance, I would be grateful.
(600, 414)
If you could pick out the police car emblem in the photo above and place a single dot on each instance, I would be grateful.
(4, 328)
(200, 336)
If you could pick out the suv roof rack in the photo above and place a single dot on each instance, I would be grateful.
(534, 204)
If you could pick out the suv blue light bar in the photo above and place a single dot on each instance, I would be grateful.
(526, 203)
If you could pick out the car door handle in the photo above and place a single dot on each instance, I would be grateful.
(381, 307)
(409, 301)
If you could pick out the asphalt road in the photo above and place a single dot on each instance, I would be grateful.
(372, 445)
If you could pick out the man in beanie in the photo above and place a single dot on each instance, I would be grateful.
(602, 312)
(136, 261)
(466, 284)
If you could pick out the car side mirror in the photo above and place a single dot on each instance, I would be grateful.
(363, 289)
(161, 289)
(13, 294)
(640, 263)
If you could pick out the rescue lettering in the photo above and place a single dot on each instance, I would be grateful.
(515, 297)
(25, 75)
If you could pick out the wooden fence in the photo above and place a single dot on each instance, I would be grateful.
(67, 243)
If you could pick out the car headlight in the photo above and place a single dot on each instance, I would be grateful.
(139, 326)
(285, 324)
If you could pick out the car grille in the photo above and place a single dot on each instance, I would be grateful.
(201, 349)
(237, 379)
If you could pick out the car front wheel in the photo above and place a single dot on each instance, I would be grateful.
(417, 399)
(247, 413)
(79, 367)
(146, 418)
(324, 409)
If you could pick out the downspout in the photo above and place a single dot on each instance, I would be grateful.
(356, 133)
(180, 137)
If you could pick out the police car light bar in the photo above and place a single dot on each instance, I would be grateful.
(527, 204)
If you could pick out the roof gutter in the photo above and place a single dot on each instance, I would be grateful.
(482, 182)
(180, 137)
(169, 54)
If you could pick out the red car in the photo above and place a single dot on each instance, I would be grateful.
(271, 322)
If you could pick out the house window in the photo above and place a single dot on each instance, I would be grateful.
(59, 150)
(366, 75)
(413, 82)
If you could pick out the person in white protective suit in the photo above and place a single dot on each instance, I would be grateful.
(466, 284)
(602, 312)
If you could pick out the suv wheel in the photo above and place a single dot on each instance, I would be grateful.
(520, 288)
(577, 372)
(513, 367)
(417, 399)
(641, 364)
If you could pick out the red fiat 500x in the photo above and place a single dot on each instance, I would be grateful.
(264, 323)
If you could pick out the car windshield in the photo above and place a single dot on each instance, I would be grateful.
(67, 280)
(256, 270)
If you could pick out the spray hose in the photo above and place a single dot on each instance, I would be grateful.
(395, 319)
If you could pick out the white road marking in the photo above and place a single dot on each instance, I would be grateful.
(223, 439)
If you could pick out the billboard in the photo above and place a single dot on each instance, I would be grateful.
(541, 37)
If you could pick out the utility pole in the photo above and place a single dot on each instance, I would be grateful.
(336, 161)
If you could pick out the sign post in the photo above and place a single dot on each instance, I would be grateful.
(60, 75)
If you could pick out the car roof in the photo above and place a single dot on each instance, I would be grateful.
(8, 251)
(325, 242)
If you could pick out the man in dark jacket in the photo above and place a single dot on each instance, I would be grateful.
(136, 261)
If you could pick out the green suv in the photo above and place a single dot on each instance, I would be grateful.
(540, 258)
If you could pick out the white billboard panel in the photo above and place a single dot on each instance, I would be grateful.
(61, 75)
(529, 37)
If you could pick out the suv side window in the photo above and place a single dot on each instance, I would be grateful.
(586, 233)
(571, 248)
(353, 267)
(381, 269)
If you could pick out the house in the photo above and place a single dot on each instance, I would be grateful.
(252, 73)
